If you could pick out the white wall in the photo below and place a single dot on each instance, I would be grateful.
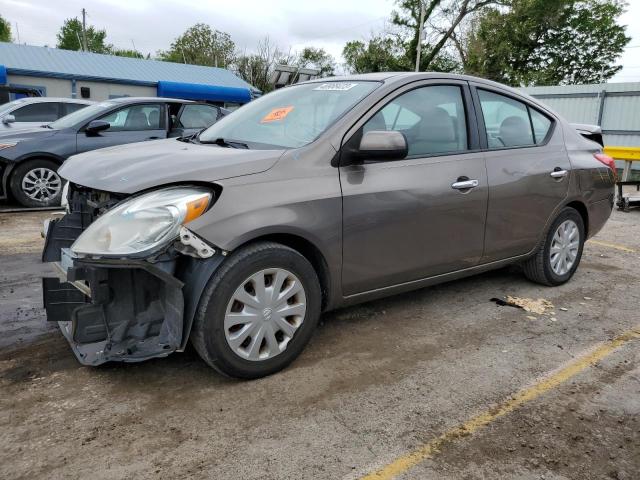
(102, 91)
(56, 87)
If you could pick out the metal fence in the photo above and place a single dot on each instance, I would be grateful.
(613, 106)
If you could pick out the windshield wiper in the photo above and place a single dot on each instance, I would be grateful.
(224, 143)
(46, 126)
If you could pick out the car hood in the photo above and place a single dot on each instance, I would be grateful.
(23, 134)
(139, 166)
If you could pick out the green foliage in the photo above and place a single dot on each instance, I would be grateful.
(5, 30)
(317, 58)
(379, 54)
(70, 37)
(201, 45)
(548, 42)
(127, 53)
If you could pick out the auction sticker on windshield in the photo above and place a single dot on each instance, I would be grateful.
(276, 114)
(336, 86)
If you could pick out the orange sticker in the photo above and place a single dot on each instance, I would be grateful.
(276, 114)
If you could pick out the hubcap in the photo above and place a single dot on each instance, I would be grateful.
(41, 184)
(564, 247)
(264, 313)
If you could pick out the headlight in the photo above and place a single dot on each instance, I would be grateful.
(144, 223)
(7, 145)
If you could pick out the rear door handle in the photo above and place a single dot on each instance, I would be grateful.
(153, 138)
(558, 173)
(465, 184)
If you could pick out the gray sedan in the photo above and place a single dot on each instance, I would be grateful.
(316, 196)
(29, 158)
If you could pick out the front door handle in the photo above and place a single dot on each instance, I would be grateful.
(465, 184)
(153, 138)
(559, 173)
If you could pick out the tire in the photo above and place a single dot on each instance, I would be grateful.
(219, 346)
(23, 176)
(539, 268)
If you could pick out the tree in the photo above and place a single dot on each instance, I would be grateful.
(441, 19)
(317, 58)
(70, 37)
(256, 68)
(201, 45)
(5, 30)
(127, 53)
(379, 54)
(548, 42)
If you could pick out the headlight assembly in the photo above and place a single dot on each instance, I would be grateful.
(7, 145)
(143, 224)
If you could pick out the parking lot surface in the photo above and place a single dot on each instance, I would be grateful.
(440, 383)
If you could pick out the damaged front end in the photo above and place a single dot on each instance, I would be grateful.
(123, 306)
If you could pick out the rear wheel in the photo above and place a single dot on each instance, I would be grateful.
(36, 183)
(258, 311)
(558, 257)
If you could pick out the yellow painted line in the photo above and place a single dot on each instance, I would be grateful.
(428, 450)
(612, 245)
(623, 153)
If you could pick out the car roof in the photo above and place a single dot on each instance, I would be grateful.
(52, 99)
(147, 99)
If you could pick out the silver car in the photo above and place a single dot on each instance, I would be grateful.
(313, 197)
(35, 111)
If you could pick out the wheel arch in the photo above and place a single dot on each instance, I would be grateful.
(307, 249)
(581, 208)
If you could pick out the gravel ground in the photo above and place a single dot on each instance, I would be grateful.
(377, 381)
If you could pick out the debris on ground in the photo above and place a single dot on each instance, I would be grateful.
(539, 306)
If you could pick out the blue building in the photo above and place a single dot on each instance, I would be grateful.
(93, 76)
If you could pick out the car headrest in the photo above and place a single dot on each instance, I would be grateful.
(515, 131)
(437, 125)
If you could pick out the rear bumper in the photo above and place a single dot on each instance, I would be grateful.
(123, 309)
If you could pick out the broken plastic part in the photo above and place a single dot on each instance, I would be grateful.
(195, 246)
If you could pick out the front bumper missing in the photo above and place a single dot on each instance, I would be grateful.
(124, 309)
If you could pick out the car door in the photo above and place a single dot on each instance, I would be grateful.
(194, 117)
(409, 219)
(34, 115)
(527, 168)
(129, 124)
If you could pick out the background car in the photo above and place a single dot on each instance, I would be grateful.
(29, 158)
(33, 112)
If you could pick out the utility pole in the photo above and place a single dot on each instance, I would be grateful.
(420, 32)
(84, 30)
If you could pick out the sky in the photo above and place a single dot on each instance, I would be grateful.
(151, 25)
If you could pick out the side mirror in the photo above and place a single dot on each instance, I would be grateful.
(383, 145)
(7, 119)
(96, 126)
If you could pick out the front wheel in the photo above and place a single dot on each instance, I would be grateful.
(557, 259)
(36, 183)
(258, 311)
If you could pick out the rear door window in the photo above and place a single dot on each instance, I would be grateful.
(72, 107)
(506, 121)
(541, 125)
(37, 112)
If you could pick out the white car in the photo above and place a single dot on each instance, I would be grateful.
(35, 111)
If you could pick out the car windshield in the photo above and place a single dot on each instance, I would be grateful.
(8, 106)
(290, 117)
(81, 116)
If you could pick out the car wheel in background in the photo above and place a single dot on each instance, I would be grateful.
(36, 183)
(557, 259)
(258, 311)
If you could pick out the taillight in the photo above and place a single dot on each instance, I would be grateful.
(608, 161)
